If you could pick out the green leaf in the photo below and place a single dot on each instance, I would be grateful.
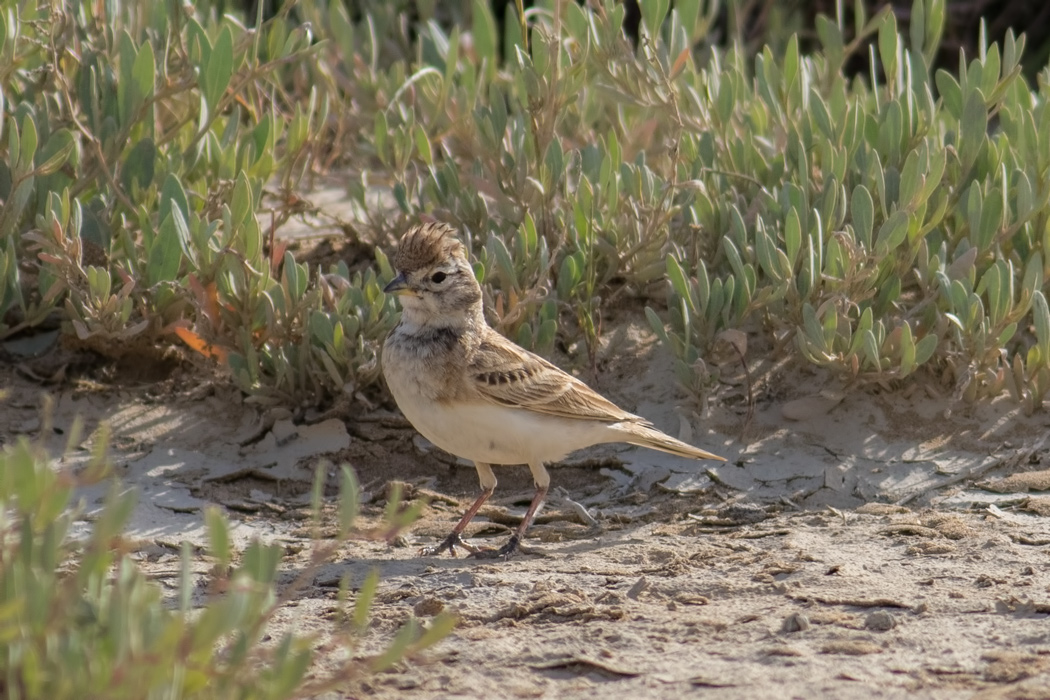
(888, 295)
(1033, 280)
(217, 70)
(350, 496)
(440, 627)
(380, 133)
(126, 53)
(1023, 195)
(26, 151)
(911, 181)
(341, 28)
(12, 210)
(765, 250)
(546, 335)
(322, 330)
(935, 15)
(320, 476)
(862, 208)
(241, 201)
(950, 92)
(814, 329)
(871, 349)
(185, 576)
(891, 132)
(1041, 320)
(892, 233)
(689, 12)
(991, 220)
(791, 61)
(917, 26)
(218, 535)
(733, 254)
(513, 39)
(182, 231)
(483, 29)
(889, 47)
(401, 197)
(907, 348)
(820, 115)
(14, 148)
(139, 166)
(860, 16)
(676, 275)
(165, 257)
(935, 171)
(297, 277)
(423, 145)
(1009, 331)
(793, 235)
(991, 285)
(143, 74)
(55, 152)
(973, 129)
(831, 39)
(658, 327)
(260, 562)
(924, 349)
(172, 195)
(990, 74)
(653, 14)
(398, 648)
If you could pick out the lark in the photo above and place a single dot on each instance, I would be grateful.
(477, 395)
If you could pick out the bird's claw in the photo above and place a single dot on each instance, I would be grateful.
(448, 544)
(503, 552)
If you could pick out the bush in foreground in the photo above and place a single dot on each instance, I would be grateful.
(79, 619)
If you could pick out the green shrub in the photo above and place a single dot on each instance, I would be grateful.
(877, 225)
(79, 619)
(138, 150)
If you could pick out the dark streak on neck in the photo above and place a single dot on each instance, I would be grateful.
(443, 336)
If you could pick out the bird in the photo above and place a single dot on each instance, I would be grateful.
(477, 395)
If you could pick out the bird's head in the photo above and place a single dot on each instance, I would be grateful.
(434, 281)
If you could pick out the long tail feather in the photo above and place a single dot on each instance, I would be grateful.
(644, 436)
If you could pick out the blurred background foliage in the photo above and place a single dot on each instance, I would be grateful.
(861, 187)
(754, 24)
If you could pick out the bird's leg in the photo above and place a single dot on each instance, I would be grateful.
(454, 539)
(543, 482)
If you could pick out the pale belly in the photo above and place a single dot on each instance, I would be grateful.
(501, 435)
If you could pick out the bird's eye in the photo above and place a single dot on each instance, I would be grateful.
(438, 277)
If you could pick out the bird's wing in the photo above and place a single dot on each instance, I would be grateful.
(508, 375)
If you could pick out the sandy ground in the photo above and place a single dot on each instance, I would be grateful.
(855, 545)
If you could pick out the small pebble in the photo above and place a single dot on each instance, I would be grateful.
(880, 620)
(795, 622)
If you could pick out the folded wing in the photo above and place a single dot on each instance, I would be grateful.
(510, 376)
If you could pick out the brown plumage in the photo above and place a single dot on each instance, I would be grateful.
(475, 394)
(426, 245)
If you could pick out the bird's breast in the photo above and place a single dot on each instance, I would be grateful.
(432, 388)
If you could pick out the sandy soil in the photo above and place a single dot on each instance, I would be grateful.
(856, 545)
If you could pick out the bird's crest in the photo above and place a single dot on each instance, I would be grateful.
(426, 245)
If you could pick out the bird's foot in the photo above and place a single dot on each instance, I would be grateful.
(449, 544)
(503, 552)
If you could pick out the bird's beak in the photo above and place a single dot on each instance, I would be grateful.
(398, 285)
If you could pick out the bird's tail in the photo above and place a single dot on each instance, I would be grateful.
(646, 436)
